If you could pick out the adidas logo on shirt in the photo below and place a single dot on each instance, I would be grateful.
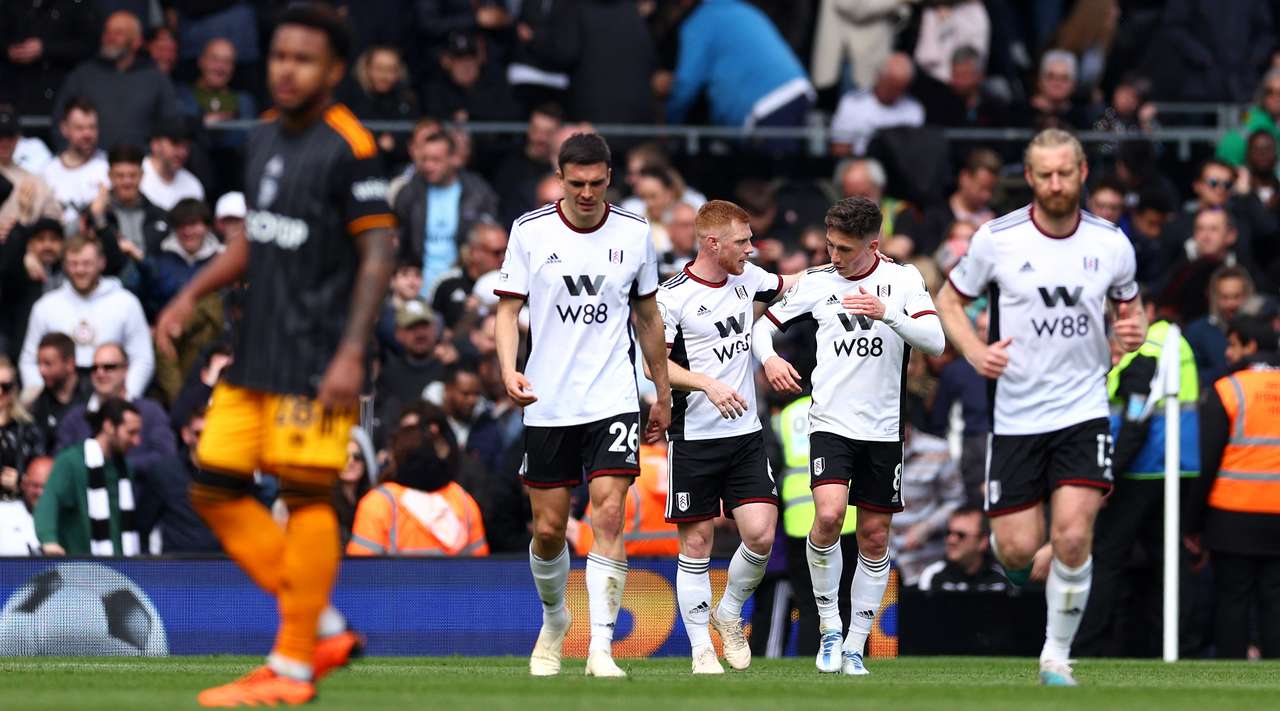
(832, 300)
(553, 259)
(631, 458)
(703, 311)
(1026, 267)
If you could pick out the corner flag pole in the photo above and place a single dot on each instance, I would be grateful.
(1171, 370)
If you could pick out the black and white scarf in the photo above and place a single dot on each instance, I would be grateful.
(100, 506)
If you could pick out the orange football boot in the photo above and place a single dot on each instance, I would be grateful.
(260, 687)
(335, 652)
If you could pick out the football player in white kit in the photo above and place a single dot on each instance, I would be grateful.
(584, 267)
(716, 453)
(870, 315)
(1049, 270)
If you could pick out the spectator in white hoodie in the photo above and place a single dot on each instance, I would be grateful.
(93, 310)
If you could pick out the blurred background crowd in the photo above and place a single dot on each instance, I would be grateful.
(122, 125)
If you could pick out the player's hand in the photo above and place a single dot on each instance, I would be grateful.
(53, 549)
(659, 420)
(1199, 555)
(170, 322)
(991, 361)
(1128, 326)
(727, 400)
(863, 303)
(1040, 564)
(781, 375)
(519, 389)
(343, 379)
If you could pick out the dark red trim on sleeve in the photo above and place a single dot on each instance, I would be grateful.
(512, 294)
(773, 318)
(959, 290)
(926, 312)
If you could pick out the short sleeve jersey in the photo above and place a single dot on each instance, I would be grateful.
(309, 194)
(1048, 293)
(708, 331)
(578, 283)
(859, 384)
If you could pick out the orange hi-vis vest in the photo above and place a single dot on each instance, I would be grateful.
(645, 529)
(1249, 477)
(394, 520)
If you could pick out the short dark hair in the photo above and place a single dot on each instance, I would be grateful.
(125, 153)
(1154, 199)
(441, 137)
(584, 149)
(110, 410)
(1255, 329)
(984, 528)
(1218, 162)
(189, 210)
(1110, 182)
(550, 109)
(62, 342)
(660, 174)
(756, 196)
(856, 217)
(323, 18)
(982, 159)
(966, 53)
(79, 103)
(409, 261)
(452, 372)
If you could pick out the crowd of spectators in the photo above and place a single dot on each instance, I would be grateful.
(105, 215)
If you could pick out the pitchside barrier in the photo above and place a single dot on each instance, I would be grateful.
(405, 606)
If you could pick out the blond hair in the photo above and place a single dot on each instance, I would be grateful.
(1054, 138)
(715, 214)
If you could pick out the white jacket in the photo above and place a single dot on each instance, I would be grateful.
(109, 314)
(860, 31)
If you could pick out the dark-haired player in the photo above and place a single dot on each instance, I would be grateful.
(317, 253)
(870, 315)
(588, 271)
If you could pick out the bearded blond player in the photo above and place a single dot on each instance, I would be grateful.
(1049, 270)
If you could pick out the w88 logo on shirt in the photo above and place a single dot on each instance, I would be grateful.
(578, 287)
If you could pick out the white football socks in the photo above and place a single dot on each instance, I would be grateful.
(746, 570)
(693, 594)
(1066, 593)
(606, 579)
(550, 578)
(825, 567)
(870, 579)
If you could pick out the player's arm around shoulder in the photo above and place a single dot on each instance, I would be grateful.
(915, 318)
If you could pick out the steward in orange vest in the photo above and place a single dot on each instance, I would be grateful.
(1235, 514)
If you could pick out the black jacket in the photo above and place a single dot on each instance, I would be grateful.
(1232, 532)
(478, 202)
(69, 31)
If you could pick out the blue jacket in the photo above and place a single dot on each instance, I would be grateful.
(733, 50)
(164, 273)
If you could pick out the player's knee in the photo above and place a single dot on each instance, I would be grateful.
(873, 541)
(606, 519)
(827, 524)
(549, 532)
(695, 544)
(1071, 545)
(759, 542)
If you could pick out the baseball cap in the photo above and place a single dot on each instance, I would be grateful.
(175, 128)
(461, 44)
(8, 121)
(230, 205)
(413, 311)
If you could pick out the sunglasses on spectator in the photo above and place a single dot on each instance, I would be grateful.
(7, 386)
(107, 367)
(1215, 183)
(1271, 91)
(962, 535)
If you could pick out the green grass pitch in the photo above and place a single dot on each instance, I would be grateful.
(496, 684)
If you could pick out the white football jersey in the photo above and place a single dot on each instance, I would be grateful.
(578, 284)
(859, 384)
(1048, 293)
(708, 330)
